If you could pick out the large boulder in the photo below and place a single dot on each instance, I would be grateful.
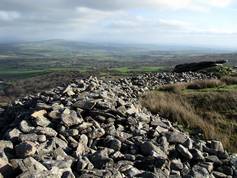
(196, 66)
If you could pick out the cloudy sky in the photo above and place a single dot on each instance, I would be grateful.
(186, 22)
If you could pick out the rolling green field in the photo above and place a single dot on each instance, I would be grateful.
(30, 59)
(139, 69)
(11, 74)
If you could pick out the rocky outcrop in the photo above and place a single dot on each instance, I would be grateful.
(196, 66)
(96, 128)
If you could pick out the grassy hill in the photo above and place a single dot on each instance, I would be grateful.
(207, 106)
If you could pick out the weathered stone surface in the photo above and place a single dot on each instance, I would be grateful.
(24, 127)
(148, 148)
(28, 137)
(113, 143)
(176, 137)
(47, 131)
(82, 145)
(55, 114)
(217, 146)
(25, 149)
(5, 144)
(214, 159)
(13, 134)
(85, 104)
(40, 119)
(69, 91)
(184, 151)
(30, 164)
(198, 171)
(6, 169)
(101, 160)
(176, 165)
(84, 163)
(70, 118)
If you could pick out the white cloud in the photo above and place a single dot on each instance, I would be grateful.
(174, 24)
(9, 15)
(220, 3)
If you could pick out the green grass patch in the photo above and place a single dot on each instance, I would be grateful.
(139, 69)
(225, 88)
(27, 73)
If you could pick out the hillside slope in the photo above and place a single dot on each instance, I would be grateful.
(97, 128)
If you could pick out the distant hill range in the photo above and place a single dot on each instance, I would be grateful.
(63, 48)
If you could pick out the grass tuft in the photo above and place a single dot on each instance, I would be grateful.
(202, 84)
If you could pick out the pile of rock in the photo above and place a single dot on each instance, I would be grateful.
(154, 80)
(94, 128)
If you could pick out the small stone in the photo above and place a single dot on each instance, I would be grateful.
(84, 126)
(233, 160)
(214, 159)
(188, 143)
(197, 154)
(132, 110)
(84, 163)
(97, 133)
(42, 138)
(198, 171)
(60, 143)
(228, 170)
(13, 134)
(160, 129)
(47, 131)
(40, 119)
(164, 143)
(176, 164)
(30, 164)
(24, 127)
(28, 137)
(176, 137)
(148, 148)
(208, 165)
(121, 102)
(113, 143)
(87, 105)
(184, 151)
(6, 169)
(6, 144)
(61, 164)
(217, 146)
(219, 174)
(73, 132)
(132, 172)
(59, 154)
(69, 91)
(82, 145)
(70, 118)
(148, 174)
(25, 149)
(55, 114)
(68, 174)
(101, 160)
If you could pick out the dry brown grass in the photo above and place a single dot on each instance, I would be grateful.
(201, 84)
(212, 113)
(174, 88)
(176, 109)
(229, 80)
